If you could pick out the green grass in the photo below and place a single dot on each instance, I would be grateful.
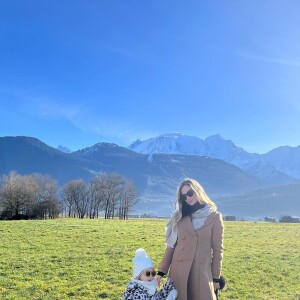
(91, 259)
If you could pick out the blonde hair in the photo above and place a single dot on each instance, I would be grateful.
(201, 195)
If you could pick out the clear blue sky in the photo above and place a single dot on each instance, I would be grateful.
(79, 72)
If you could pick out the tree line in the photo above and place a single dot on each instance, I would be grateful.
(283, 219)
(38, 196)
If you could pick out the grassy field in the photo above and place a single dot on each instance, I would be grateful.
(91, 259)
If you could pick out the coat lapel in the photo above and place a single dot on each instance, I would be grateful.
(187, 225)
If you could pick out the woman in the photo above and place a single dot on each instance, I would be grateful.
(194, 240)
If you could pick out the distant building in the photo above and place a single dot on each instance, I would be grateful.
(270, 219)
(290, 219)
(230, 218)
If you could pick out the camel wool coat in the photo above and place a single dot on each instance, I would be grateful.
(196, 258)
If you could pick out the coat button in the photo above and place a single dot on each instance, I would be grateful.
(180, 259)
(181, 248)
(183, 237)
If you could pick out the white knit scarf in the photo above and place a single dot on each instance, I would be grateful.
(151, 286)
(198, 219)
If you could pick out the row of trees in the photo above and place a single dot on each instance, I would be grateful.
(38, 197)
(111, 195)
(33, 196)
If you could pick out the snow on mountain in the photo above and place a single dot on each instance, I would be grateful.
(169, 144)
(103, 149)
(63, 149)
(214, 146)
(285, 159)
(95, 148)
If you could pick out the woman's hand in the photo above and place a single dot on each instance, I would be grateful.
(158, 278)
(216, 286)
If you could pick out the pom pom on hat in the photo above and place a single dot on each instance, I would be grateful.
(140, 253)
(141, 262)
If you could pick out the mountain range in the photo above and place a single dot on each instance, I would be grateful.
(277, 166)
(228, 173)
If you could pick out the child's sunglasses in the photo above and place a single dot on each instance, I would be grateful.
(189, 193)
(148, 273)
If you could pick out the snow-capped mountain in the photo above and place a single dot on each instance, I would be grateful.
(169, 144)
(175, 143)
(214, 146)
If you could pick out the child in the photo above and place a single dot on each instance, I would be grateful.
(144, 284)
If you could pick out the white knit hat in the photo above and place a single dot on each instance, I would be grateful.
(141, 262)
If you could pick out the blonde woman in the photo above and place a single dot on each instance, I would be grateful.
(194, 240)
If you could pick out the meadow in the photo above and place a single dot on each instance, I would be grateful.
(91, 259)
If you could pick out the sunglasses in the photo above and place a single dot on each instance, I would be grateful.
(148, 273)
(189, 193)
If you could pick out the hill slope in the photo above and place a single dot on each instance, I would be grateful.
(273, 201)
(27, 155)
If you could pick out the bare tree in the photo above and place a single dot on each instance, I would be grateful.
(28, 196)
(111, 193)
(15, 195)
(97, 196)
(68, 196)
(45, 190)
(75, 197)
(111, 187)
(128, 198)
(82, 201)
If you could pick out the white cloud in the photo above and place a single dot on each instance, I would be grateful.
(85, 117)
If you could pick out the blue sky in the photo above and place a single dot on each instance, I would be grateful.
(79, 72)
